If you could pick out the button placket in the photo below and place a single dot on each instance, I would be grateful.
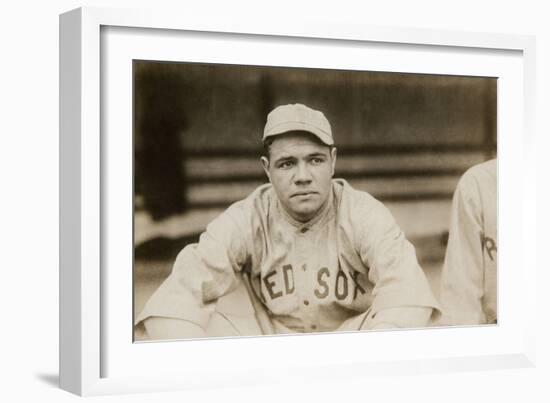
(309, 308)
(302, 275)
(312, 270)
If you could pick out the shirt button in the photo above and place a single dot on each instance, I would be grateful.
(313, 327)
(304, 230)
(304, 267)
(306, 302)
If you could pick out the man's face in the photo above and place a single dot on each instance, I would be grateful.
(300, 170)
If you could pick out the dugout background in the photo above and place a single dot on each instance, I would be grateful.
(404, 138)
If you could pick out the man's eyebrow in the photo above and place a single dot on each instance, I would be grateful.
(317, 154)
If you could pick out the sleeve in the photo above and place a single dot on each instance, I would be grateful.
(202, 272)
(398, 279)
(462, 274)
(390, 318)
(403, 317)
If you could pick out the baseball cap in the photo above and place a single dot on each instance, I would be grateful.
(292, 117)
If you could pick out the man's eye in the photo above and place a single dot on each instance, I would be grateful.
(285, 164)
(317, 161)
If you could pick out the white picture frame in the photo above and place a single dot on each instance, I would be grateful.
(88, 349)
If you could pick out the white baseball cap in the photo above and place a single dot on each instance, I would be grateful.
(298, 117)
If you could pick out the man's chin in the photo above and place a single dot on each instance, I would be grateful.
(304, 215)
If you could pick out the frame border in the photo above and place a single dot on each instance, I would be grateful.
(80, 165)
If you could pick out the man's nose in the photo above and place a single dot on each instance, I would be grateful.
(303, 174)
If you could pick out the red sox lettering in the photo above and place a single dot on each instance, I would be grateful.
(281, 283)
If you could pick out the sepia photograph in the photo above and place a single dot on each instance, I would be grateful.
(271, 201)
(280, 200)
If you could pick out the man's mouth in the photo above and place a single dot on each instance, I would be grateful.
(303, 194)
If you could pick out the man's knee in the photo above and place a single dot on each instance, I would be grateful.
(220, 326)
(235, 315)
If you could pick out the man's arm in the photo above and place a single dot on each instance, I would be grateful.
(406, 317)
(159, 328)
(183, 304)
(402, 294)
(402, 317)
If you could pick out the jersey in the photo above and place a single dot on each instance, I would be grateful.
(469, 275)
(351, 258)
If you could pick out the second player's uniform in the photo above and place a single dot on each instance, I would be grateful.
(351, 259)
(469, 276)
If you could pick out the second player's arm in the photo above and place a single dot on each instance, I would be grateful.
(462, 273)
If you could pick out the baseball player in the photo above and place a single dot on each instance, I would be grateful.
(468, 282)
(304, 253)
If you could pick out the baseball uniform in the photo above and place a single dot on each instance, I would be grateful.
(468, 282)
(350, 259)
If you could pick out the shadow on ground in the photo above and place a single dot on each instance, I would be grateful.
(49, 379)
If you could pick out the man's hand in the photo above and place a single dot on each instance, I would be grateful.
(402, 317)
(160, 328)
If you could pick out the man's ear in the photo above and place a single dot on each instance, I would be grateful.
(333, 155)
(265, 166)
